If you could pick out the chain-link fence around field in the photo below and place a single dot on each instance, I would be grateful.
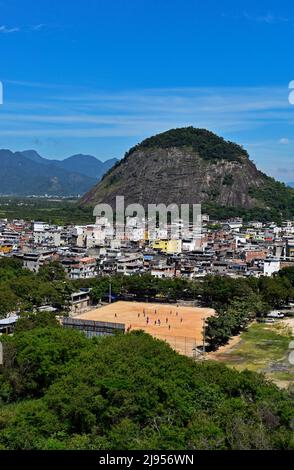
(182, 344)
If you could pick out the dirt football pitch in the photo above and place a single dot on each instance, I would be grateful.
(180, 326)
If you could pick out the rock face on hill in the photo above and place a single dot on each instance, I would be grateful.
(180, 166)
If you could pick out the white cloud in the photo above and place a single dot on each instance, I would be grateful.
(4, 29)
(284, 141)
(143, 112)
(23, 28)
(38, 27)
(267, 18)
(43, 85)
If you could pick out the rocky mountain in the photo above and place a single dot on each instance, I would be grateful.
(26, 173)
(187, 165)
(192, 166)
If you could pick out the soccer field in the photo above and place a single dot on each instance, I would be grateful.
(180, 326)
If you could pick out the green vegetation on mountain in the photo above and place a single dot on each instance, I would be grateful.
(262, 214)
(209, 145)
(228, 180)
(275, 196)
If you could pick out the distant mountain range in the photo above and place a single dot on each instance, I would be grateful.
(291, 184)
(28, 173)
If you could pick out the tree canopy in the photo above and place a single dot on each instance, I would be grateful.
(63, 391)
(209, 145)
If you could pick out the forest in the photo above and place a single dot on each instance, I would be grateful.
(60, 390)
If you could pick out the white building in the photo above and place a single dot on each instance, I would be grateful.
(47, 237)
(271, 266)
(40, 226)
(190, 244)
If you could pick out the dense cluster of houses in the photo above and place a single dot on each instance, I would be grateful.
(231, 248)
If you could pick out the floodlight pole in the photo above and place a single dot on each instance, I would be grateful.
(204, 336)
(1, 354)
(109, 295)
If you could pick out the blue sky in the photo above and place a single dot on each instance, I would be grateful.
(98, 76)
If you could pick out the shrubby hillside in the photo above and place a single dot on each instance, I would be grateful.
(59, 390)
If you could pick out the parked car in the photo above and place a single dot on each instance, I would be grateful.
(275, 315)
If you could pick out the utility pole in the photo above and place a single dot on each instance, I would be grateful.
(1, 355)
(109, 295)
(204, 336)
